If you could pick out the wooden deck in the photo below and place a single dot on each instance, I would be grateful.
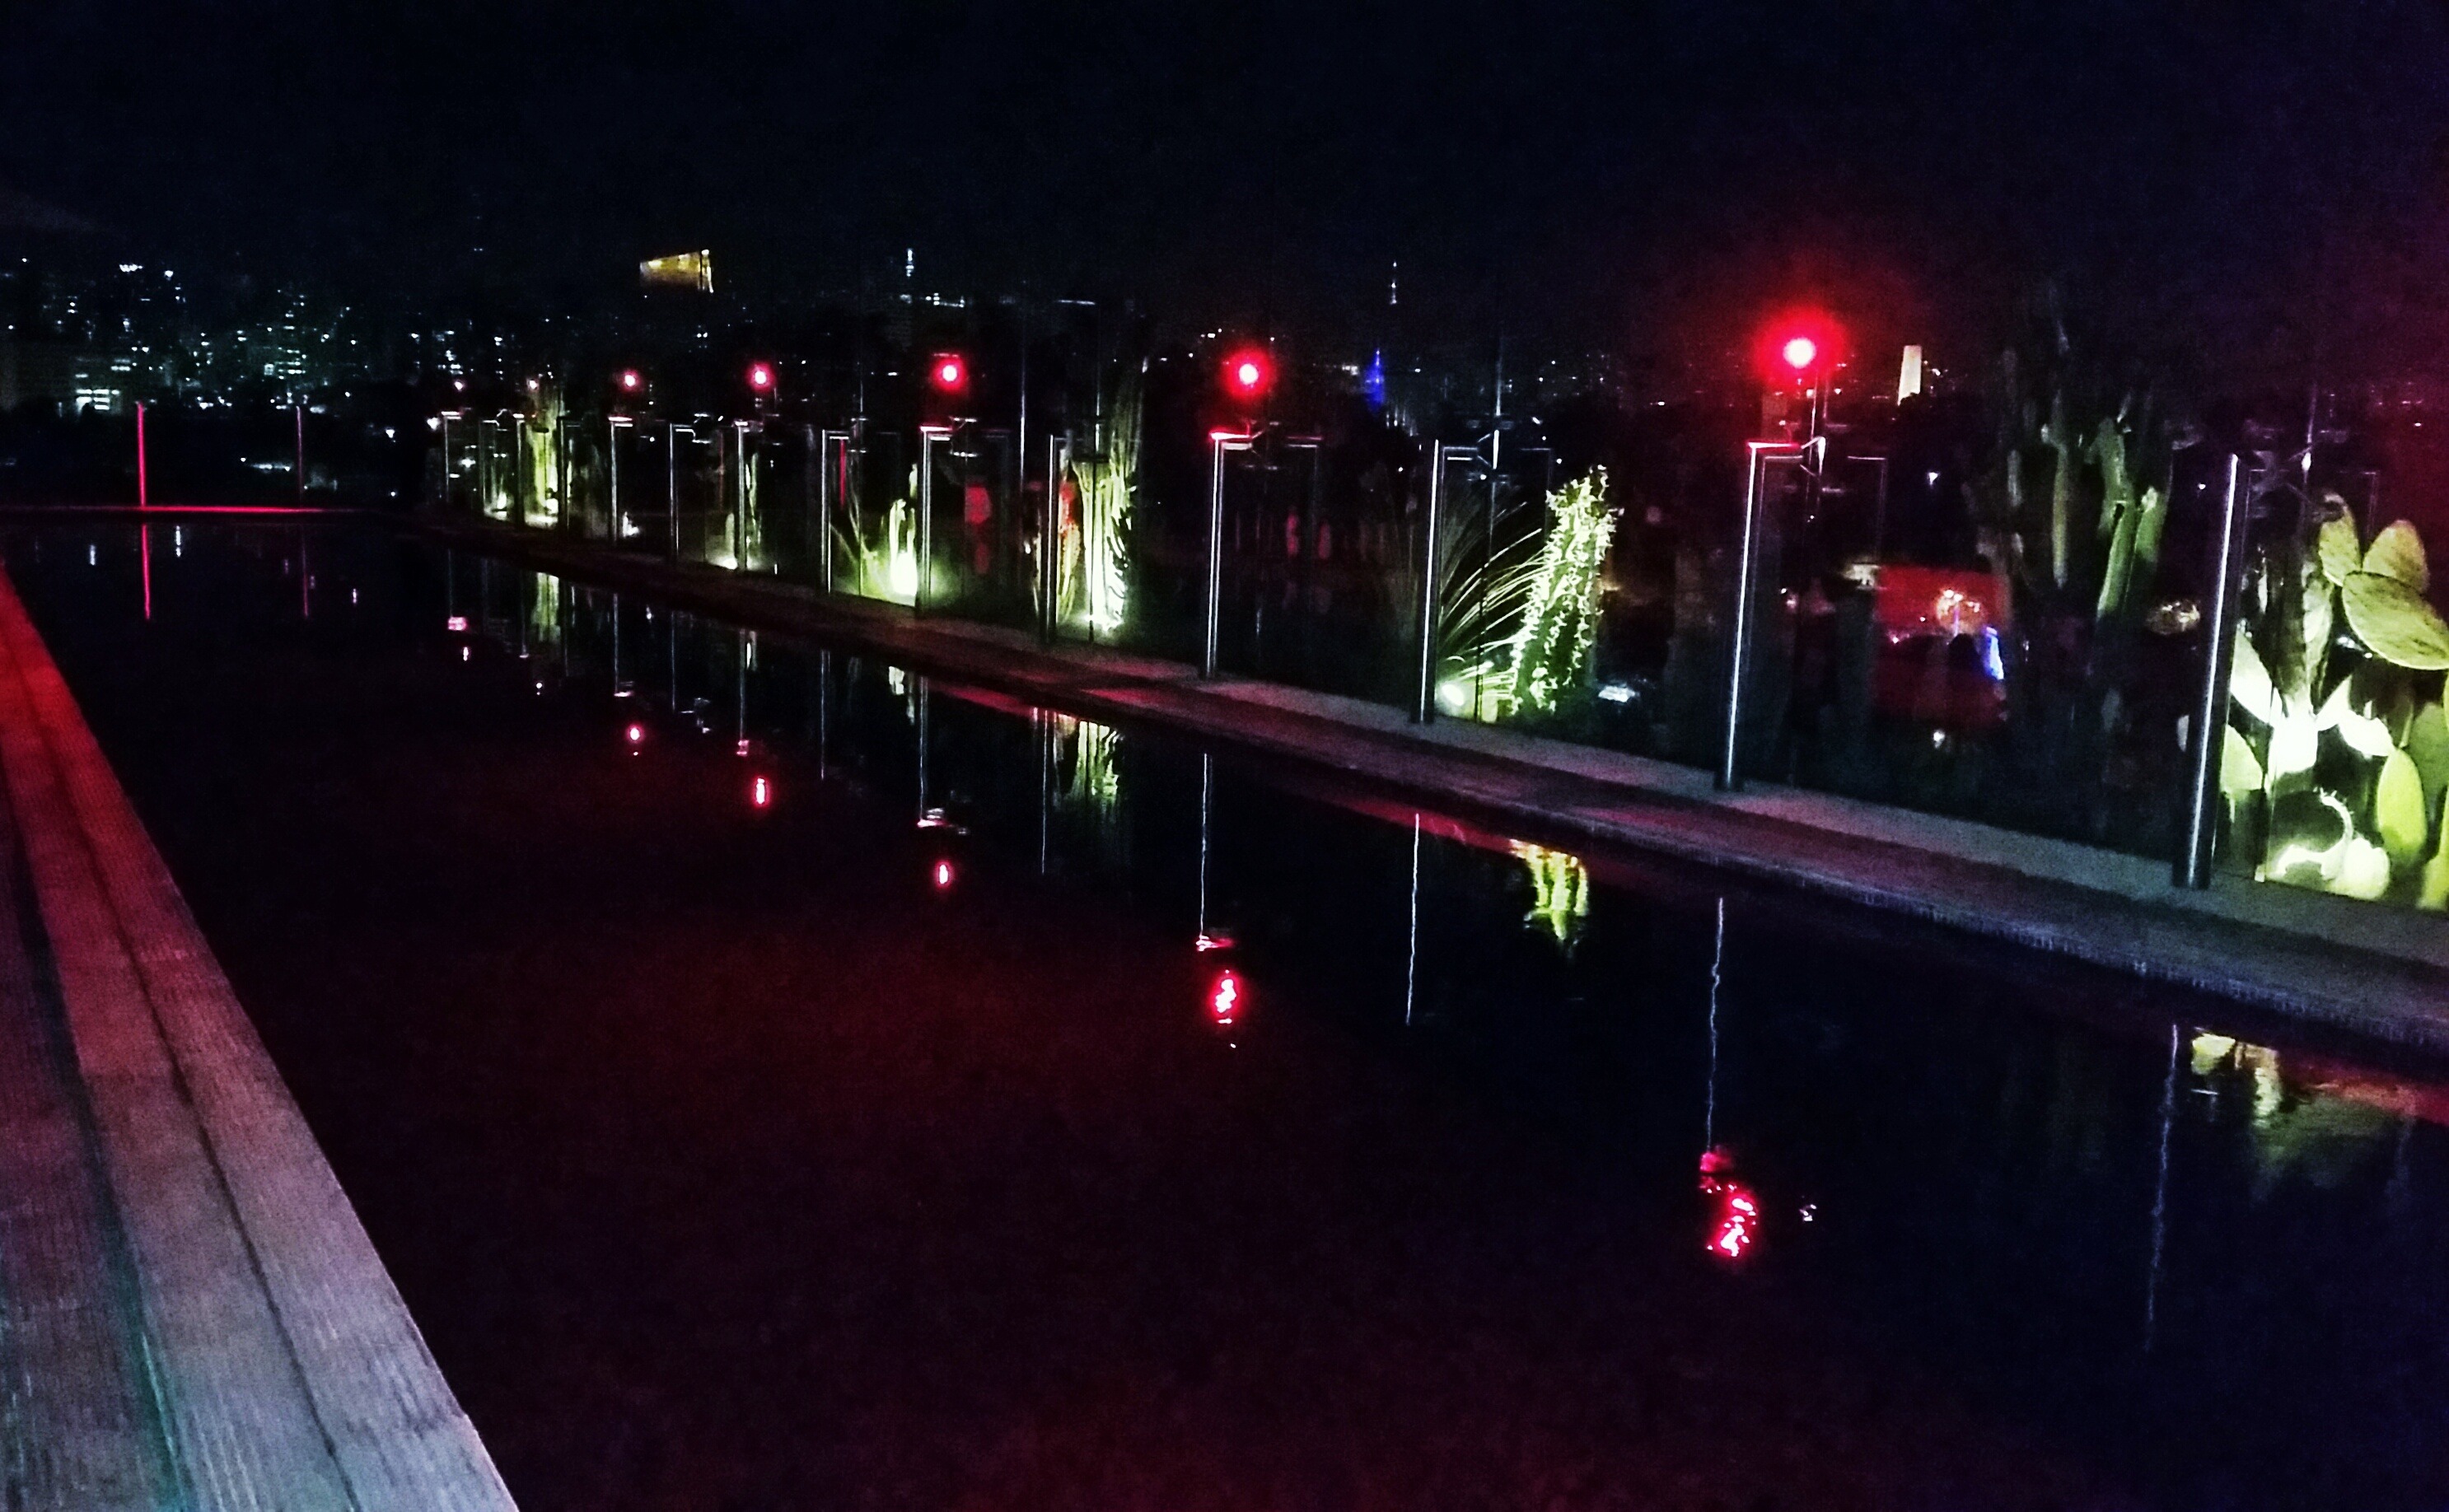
(190, 1313)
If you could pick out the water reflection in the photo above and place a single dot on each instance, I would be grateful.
(2208, 1251)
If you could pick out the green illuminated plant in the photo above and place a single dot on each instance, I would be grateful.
(2338, 742)
(887, 565)
(1094, 569)
(539, 430)
(1560, 890)
(1523, 646)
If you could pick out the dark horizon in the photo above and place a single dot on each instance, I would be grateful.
(2241, 184)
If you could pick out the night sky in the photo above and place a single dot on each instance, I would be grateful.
(1593, 168)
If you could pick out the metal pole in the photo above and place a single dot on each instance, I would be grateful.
(1424, 692)
(825, 510)
(811, 484)
(2207, 738)
(1050, 542)
(672, 484)
(298, 472)
(143, 498)
(1729, 777)
(737, 494)
(928, 436)
(1215, 549)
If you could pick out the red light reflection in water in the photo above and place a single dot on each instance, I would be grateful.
(637, 734)
(1735, 1215)
(760, 794)
(943, 875)
(1224, 999)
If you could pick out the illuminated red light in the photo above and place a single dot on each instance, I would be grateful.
(632, 381)
(760, 794)
(761, 376)
(1247, 373)
(1799, 353)
(457, 624)
(943, 875)
(637, 734)
(1224, 999)
(948, 373)
(1734, 1224)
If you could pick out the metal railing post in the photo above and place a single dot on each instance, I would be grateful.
(928, 436)
(672, 485)
(1219, 442)
(2205, 741)
(1424, 692)
(824, 507)
(1050, 541)
(1729, 778)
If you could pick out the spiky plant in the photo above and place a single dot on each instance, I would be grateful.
(1550, 653)
(1094, 570)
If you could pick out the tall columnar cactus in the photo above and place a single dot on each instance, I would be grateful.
(1552, 649)
(1519, 623)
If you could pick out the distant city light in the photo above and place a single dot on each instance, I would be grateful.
(761, 376)
(632, 381)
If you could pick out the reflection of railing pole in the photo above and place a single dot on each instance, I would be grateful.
(1424, 691)
(1760, 453)
(2207, 738)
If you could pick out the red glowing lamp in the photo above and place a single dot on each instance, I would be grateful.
(761, 376)
(1797, 344)
(943, 876)
(948, 373)
(632, 381)
(1248, 375)
(760, 794)
(637, 734)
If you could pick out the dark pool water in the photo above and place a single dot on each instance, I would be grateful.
(777, 1081)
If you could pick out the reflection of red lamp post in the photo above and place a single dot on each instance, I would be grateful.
(1224, 999)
